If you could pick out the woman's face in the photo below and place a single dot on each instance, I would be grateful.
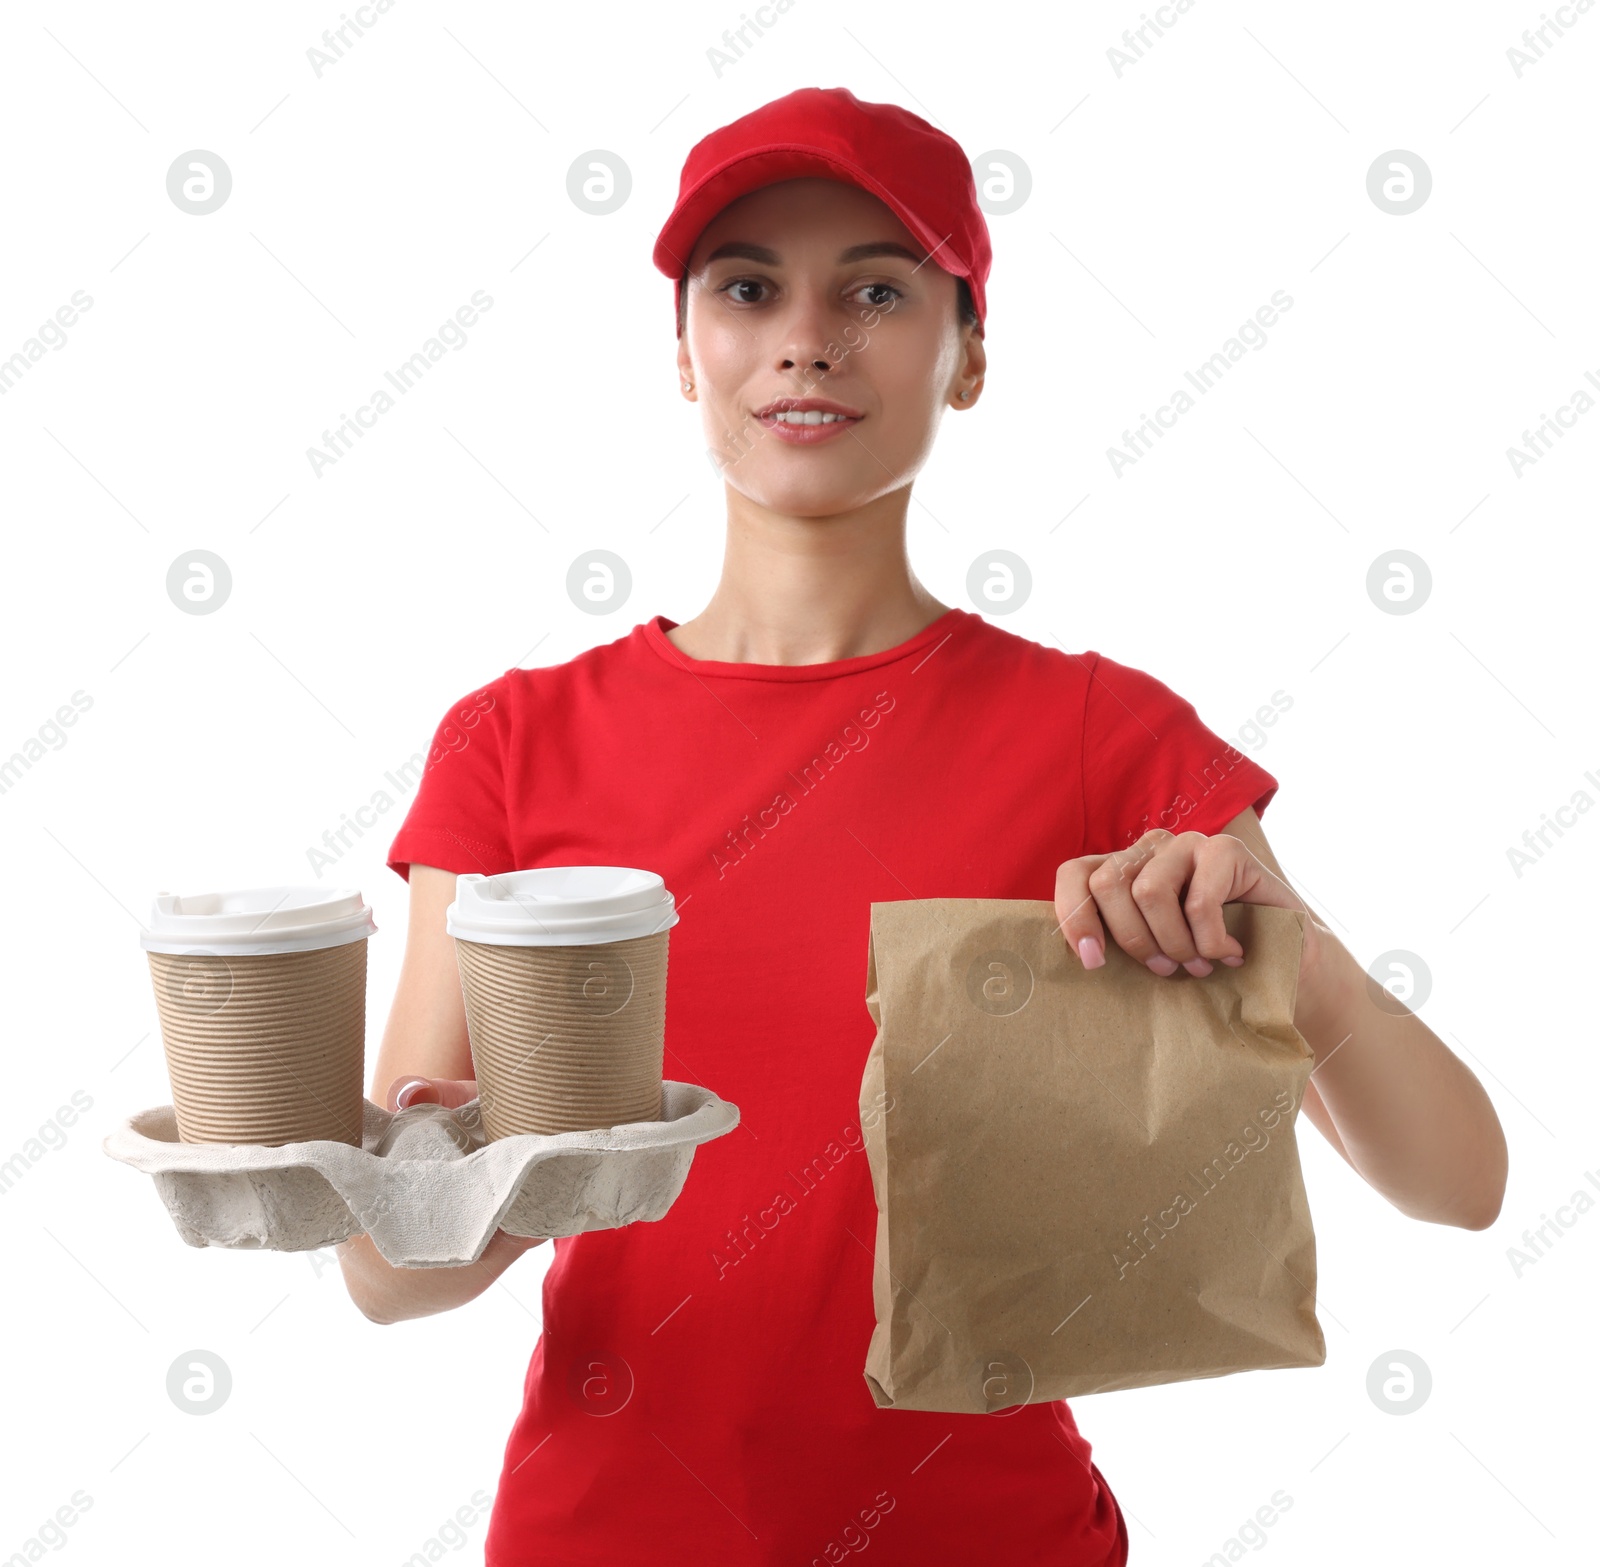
(784, 304)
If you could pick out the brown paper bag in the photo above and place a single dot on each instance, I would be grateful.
(1086, 1179)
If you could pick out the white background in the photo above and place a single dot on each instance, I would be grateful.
(1167, 204)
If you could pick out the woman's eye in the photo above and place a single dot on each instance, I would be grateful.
(734, 285)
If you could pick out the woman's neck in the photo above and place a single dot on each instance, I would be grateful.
(810, 590)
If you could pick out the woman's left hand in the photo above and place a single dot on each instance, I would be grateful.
(1161, 899)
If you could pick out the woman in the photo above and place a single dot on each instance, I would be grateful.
(827, 733)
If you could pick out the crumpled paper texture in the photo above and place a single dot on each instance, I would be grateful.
(1086, 1179)
(425, 1184)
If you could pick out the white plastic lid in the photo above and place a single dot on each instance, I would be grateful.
(256, 920)
(560, 906)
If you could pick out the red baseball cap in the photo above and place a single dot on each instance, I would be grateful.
(916, 170)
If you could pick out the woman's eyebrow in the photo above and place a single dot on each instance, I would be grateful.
(742, 251)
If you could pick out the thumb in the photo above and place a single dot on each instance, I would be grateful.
(448, 1091)
(455, 1091)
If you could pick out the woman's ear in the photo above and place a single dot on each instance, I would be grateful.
(975, 363)
(685, 371)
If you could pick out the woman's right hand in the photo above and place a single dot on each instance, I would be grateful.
(455, 1092)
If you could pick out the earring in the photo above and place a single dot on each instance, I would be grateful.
(963, 396)
(688, 386)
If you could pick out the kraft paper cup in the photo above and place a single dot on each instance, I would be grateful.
(564, 978)
(262, 999)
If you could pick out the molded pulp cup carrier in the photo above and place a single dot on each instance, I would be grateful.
(564, 977)
(262, 997)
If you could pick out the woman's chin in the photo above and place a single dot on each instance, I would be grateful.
(809, 506)
(814, 497)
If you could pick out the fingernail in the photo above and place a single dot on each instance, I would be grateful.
(1199, 967)
(1161, 964)
(408, 1090)
(1233, 962)
(1090, 952)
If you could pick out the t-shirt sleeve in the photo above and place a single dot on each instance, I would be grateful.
(1149, 761)
(458, 818)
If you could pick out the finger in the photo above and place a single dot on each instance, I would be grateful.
(409, 1090)
(1111, 883)
(456, 1091)
(448, 1091)
(1165, 893)
(1215, 880)
(1077, 918)
(1157, 892)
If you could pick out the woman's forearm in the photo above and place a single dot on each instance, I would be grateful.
(386, 1294)
(1414, 1120)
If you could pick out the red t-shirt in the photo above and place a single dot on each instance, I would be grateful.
(697, 1394)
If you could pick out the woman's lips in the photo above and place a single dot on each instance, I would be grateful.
(806, 434)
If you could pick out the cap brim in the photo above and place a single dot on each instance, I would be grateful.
(766, 166)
